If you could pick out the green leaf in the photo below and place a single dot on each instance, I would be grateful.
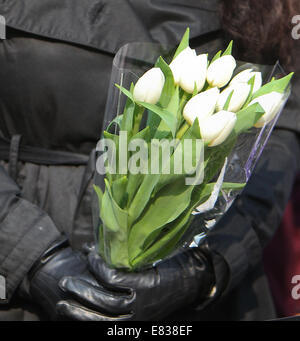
(112, 216)
(125, 92)
(251, 82)
(134, 182)
(226, 105)
(173, 107)
(159, 245)
(142, 196)
(153, 121)
(195, 92)
(115, 139)
(128, 114)
(278, 85)
(169, 86)
(115, 250)
(217, 56)
(194, 131)
(117, 120)
(135, 117)
(166, 243)
(119, 190)
(111, 136)
(99, 193)
(184, 43)
(142, 134)
(165, 115)
(163, 209)
(228, 51)
(193, 134)
(170, 236)
(247, 118)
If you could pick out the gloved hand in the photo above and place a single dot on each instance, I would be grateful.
(183, 280)
(41, 284)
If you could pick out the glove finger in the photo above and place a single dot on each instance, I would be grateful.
(88, 247)
(74, 311)
(110, 278)
(100, 269)
(98, 297)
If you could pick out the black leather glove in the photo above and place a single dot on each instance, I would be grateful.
(41, 284)
(184, 280)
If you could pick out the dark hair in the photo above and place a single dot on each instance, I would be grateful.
(262, 29)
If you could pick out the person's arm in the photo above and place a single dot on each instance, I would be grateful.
(34, 256)
(251, 222)
(25, 233)
(254, 218)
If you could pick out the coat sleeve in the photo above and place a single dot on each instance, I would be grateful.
(251, 222)
(25, 233)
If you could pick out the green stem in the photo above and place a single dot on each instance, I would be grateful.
(182, 131)
(183, 101)
(137, 119)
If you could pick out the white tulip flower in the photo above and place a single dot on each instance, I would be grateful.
(216, 128)
(189, 70)
(220, 71)
(240, 94)
(149, 87)
(176, 65)
(201, 106)
(245, 76)
(270, 103)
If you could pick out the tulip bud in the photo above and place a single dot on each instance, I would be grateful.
(245, 76)
(216, 128)
(240, 94)
(270, 103)
(201, 106)
(149, 87)
(189, 70)
(178, 63)
(220, 71)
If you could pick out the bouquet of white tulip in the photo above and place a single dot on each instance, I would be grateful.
(178, 149)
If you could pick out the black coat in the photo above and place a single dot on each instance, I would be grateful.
(55, 69)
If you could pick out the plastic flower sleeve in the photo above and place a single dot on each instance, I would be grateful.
(240, 164)
(142, 218)
(130, 62)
